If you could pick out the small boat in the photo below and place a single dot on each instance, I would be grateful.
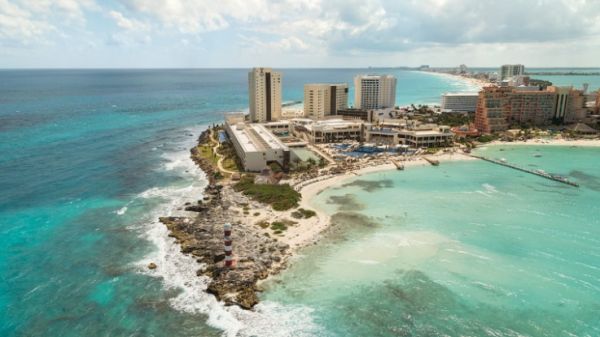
(537, 155)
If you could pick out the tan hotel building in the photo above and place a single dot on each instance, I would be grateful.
(322, 99)
(500, 107)
(264, 91)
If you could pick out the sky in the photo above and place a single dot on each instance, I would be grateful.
(297, 33)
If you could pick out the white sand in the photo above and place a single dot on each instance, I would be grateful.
(552, 142)
(307, 230)
(473, 81)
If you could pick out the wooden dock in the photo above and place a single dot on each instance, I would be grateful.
(433, 162)
(399, 166)
(538, 173)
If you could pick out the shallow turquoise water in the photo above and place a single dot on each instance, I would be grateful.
(467, 248)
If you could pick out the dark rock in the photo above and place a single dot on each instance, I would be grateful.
(196, 208)
(152, 265)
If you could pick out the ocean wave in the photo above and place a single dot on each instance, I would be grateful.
(121, 210)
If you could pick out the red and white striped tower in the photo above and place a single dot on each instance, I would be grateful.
(227, 245)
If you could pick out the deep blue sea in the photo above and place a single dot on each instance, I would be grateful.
(88, 160)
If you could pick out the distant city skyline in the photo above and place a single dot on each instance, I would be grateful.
(297, 34)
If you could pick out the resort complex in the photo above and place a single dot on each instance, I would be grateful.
(374, 125)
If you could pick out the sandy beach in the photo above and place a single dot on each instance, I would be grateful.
(473, 81)
(307, 230)
(551, 142)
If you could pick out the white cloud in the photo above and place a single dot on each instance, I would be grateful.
(127, 24)
(18, 25)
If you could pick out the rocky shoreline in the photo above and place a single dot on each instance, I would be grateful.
(256, 255)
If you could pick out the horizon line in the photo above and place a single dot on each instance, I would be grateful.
(238, 68)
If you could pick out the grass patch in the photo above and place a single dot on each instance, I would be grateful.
(263, 224)
(206, 152)
(302, 213)
(278, 226)
(280, 197)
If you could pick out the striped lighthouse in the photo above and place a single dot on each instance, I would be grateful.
(227, 245)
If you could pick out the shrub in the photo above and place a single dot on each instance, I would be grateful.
(278, 226)
(307, 213)
(280, 197)
(263, 224)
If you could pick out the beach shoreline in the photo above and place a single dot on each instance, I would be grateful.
(472, 81)
(549, 142)
(309, 231)
(259, 251)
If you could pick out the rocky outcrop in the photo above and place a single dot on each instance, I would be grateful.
(255, 256)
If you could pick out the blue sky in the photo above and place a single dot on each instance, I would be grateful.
(302, 33)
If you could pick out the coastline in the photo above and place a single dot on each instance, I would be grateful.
(308, 232)
(549, 142)
(472, 81)
(259, 252)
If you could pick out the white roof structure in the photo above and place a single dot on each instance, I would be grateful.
(256, 138)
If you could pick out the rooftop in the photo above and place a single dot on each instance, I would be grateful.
(471, 93)
(256, 138)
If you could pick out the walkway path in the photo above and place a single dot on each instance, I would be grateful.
(216, 152)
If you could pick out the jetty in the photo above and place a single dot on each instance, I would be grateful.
(539, 173)
(433, 162)
(399, 166)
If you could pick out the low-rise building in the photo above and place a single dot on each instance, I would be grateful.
(424, 135)
(442, 136)
(460, 101)
(328, 131)
(256, 146)
(351, 113)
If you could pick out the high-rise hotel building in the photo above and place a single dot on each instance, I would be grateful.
(374, 91)
(499, 108)
(509, 71)
(264, 90)
(323, 99)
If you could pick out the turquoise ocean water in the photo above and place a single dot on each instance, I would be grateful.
(464, 249)
(90, 158)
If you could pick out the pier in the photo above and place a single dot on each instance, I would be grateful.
(538, 173)
(399, 166)
(433, 162)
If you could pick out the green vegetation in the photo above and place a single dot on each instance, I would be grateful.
(263, 224)
(432, 150)
(302, 213)
(230, 160)
(280, 197)
(206, 152)
(278, 226)
(486, 138)
(454, 119)
(256, 214)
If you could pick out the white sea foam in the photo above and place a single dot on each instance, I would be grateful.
(489, 188)
(121, 210)
(178, 271)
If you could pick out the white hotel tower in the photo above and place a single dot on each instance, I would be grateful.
(264, 90)
(374, 91)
